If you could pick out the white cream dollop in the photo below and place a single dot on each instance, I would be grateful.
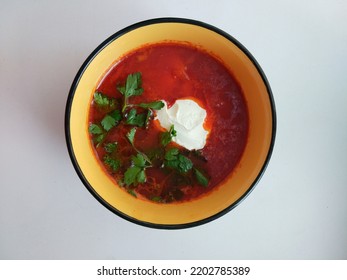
(188, 120)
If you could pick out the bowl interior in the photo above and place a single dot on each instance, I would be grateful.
(235, 187)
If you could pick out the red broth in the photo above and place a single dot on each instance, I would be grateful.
(172, 71)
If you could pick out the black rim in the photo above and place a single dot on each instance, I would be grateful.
(71, 96)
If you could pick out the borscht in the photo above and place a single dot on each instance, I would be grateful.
(168, 122)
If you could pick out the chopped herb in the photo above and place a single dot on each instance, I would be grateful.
(136, 174)
(172, 154)
(201, 178)
(116, 114)
(155, 105)
(166, 137)
(148, 118)
(111, 120)
(114, 164)
(98, 132)
(177, 161)
(99, 139)
(156, 199)
(141, 177)
(132, 192)
(135, 119)
(132, 88)
(139, 160)
(95, 129)
(103, 100)
(110, 147)
(130, 176)
(131, 135)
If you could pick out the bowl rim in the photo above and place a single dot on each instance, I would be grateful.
(104, 44)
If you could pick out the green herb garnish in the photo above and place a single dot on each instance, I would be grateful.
(200, 177)
(132, 88)
(110, 147)
(155, 105)
(136, 119)
(131, 135)
(98, 133)
(114, 164)
(111, 120)
(175, 160)
(166, 137)
(135, 174)
(103, 100)
(95, 129)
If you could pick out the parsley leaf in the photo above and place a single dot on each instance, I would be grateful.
(108, 122)
(166, 137)
(95, 129)
(111, 120)
(156, 199)
(177, 161)
(99, 139)
(132, 87)
(141, 177)
(136, 119)
(130, 175)
(156, 105)
(172, 154)
(139, 160)
(148, 118)
(114, 164)
(136, 174)
(98, 132)
(201, 178)
(110, 147)
(131, 135)
(103, 100)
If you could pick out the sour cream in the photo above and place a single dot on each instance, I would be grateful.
(188, 120)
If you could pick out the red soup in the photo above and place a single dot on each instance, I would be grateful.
(142, 156)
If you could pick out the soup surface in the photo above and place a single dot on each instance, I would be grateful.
(141, 155)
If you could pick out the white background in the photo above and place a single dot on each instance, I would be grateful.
(297, 211)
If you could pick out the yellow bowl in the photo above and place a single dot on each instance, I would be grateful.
(262, 124)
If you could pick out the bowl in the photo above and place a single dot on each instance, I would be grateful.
(261, 133)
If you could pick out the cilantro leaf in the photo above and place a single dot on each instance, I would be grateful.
(139, 160)
(114, 164)
(141, 176)
(130, 175)
(132, 87)
(99, 139)
(132, 192)
(108, 122)
(98, 133)
(177, 161)
(95, 129)
(110, 147)
(201, 178)
(131, 135)
(103, 100)
(172, 154)
(148, 117)
(136, 174)
(185, 164)
(156, 105)
(135, 119)
(111, 120)
(156, 199)
(116, 114)
(166, 137)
